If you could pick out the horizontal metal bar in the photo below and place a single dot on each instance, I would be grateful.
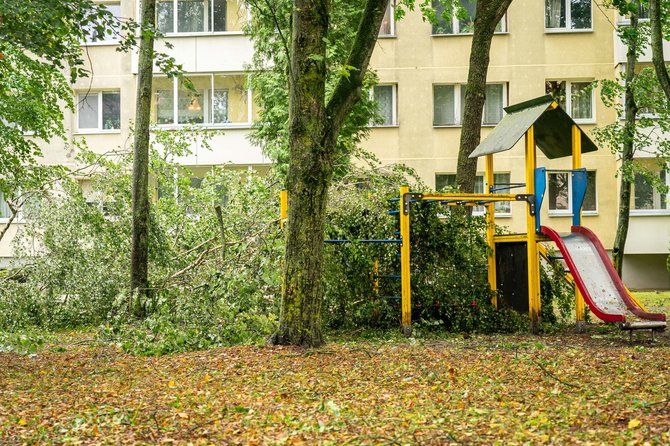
(391, 277)
(471, 197)
(394, 212)
(393, 200)
(390, 240)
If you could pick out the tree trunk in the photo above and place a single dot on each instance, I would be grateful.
(628, 149)
(139, 283)
(488, 15)
(657, 47)
(313, 130)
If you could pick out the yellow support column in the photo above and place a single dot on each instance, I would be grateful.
(491, 231)
(576, 164)
(283, 208)
(404, 266)
(531, 241)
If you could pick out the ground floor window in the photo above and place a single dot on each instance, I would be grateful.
(650, 188)
(447, 181)
(5, 211)
(560, 193)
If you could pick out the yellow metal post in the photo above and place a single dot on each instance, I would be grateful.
(404, 265)
(576, 164)
(531, 241)
(283, 208)
(491, 231)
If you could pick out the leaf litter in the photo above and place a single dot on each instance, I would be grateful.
(558, 389)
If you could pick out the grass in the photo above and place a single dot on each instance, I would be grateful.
(654, 300)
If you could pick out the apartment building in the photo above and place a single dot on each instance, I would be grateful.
(541, 46)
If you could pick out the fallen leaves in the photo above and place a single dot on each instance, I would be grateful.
(485, 390)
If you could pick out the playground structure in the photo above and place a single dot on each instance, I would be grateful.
(548, 127)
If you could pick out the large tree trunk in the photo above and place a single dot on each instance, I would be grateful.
(488, 14)
(313, 130)
(140, 242)
(628, 149)
(657, 47)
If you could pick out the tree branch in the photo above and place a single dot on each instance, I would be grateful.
(348, 89)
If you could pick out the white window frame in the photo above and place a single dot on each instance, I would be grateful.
(115, 40)
(568, 99)
(569, 211)
(653, 212)
(206, 104)
(458, 118)
(2, 201)
(391, 6)
(456, 27)
(394, 105)
(99, 129)
(568, 21)
(175, 19)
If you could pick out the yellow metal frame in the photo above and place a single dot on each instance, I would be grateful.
(576, 164)
(488, 199)
(491, 231)
(531, 242)
(283, 208)
(405, 274)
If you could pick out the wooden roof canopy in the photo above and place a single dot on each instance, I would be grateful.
(553, 130)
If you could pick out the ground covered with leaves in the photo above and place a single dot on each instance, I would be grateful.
(593, 388)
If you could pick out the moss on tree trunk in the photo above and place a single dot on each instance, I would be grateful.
(314, 125)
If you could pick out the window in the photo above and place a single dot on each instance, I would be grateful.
(5, 212)
(386, 98)
(650, 190)
(99, 111)
(449, 101)
(388, 22)
(96, 36)
(560, 193)
(198, 16)
(502, 208)
(564, 15)
(217, 100)
(576, 98)
(459, 22)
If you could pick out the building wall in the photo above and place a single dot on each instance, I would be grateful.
(523, 58)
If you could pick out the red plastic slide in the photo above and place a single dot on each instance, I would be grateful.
(600, 285)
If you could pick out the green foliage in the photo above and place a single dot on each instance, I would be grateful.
(449, 280)
(210, 284)
(41, 43)
(270, 31)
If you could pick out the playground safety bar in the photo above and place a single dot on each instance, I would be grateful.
(504, 186)
(392, 240)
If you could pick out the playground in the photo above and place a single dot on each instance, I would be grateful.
(408, 384)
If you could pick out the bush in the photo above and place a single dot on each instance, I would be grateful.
(212, 282)
(217, 282)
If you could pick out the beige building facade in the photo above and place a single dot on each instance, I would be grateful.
(556, 46)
